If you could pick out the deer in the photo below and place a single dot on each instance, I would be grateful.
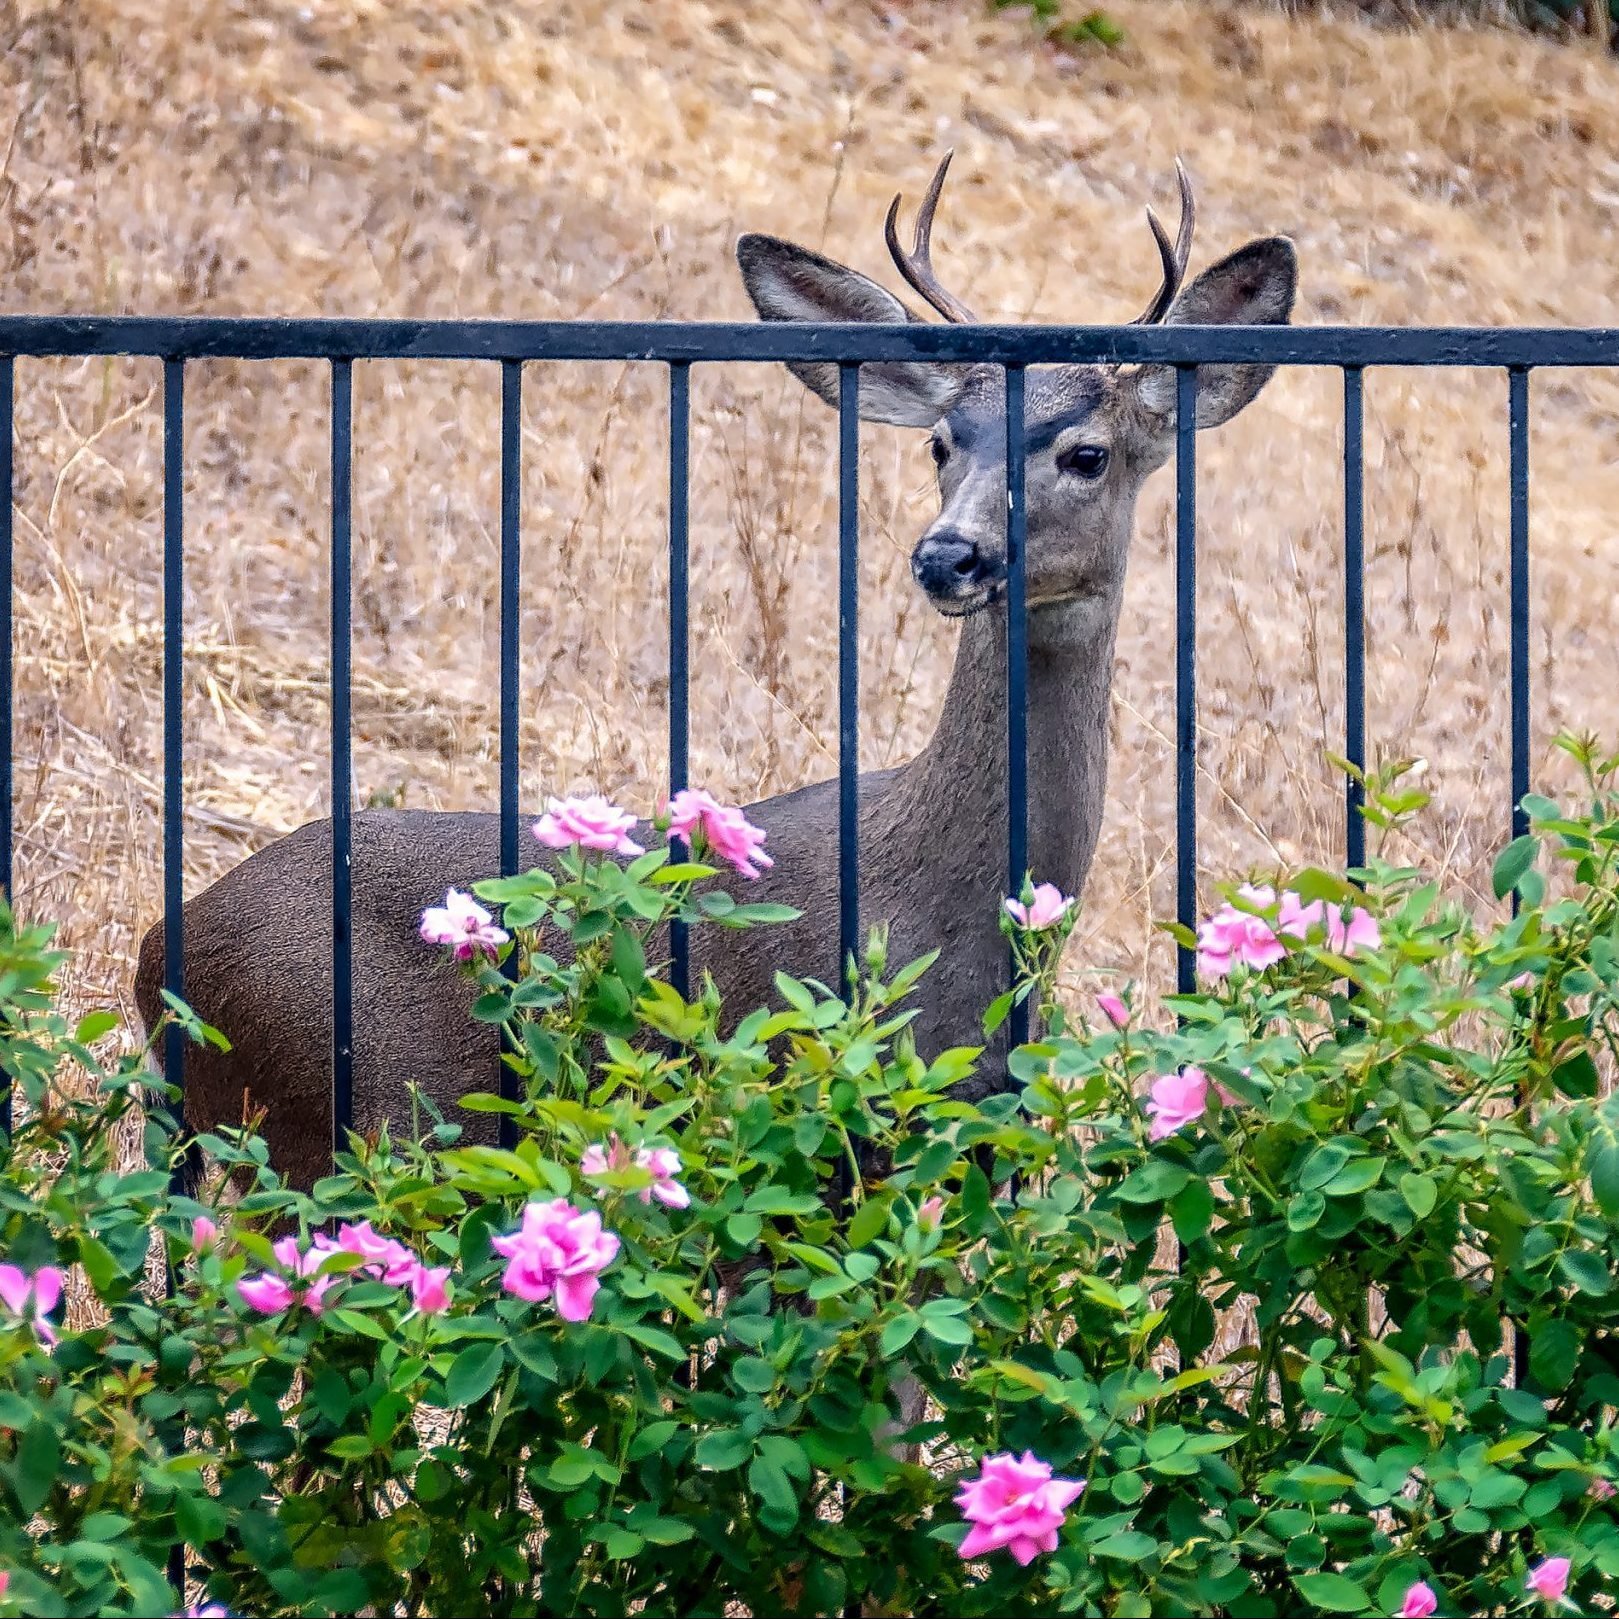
(932, 831)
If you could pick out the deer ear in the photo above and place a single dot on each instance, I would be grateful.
(788, 282)
(1252, 287)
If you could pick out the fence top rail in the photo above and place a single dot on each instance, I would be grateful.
(691, 342)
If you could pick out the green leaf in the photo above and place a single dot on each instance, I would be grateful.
(473, 1373)
(1512, 862)
(93, 1025)
(723, 1449)
(898, 1333)
(1585, 1270)
(1332, 1593)
(1323, 1164)
(1420, 1194)
(1604, 1169)
(351, 1447)
(622, 1543)
(1554, 1351)
(655, 1339)
(1191, 1210)
(948, 1329)
(1577, 1076)
(869, 1221)
(664, 1531)
(1359, 1175)
(1127, 1546)
(1156, 1181)
(649, 1442)
(770, 1483)
(754, 1375)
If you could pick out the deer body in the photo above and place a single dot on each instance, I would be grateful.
(933, 833)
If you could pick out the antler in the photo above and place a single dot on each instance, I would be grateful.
(917, 265)
(1174, 258)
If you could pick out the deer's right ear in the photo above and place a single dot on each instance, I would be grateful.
(788, 282)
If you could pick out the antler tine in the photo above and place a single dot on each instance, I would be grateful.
(917, 265)
(1173, 258)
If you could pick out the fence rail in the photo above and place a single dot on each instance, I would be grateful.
(679, 346)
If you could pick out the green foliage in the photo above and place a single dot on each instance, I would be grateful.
(1414, 1172)
(1052, 19)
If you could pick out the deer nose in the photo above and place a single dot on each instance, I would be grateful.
(945, 564)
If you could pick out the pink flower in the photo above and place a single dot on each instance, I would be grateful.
(430, 1289)
(557, 1249)
(1549, 1580)
(1600, 1489)
(267, 1293)
(591, 823)
(1360, 932)
(1295, 918)
(1114, 1010)
(1232, 938)
(1179, 1099)
(726, 830)
(463, 924)
(391, 1261)
(5, 1580)
(1015, 1504)
(209, 1610)
(1420, 1601)
(1523, 982)
(1048, 907)
(930, 1212)
(203, 1233)
(662, 1163)
(32, 1298)
(270, 1294)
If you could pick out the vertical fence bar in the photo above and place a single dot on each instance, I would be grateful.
(173, 712)
(848, 669)
(342, 752)
(1354, 610)
(7, 376)
(511, 618)
(848, 702)
(1186, 667)
(1017, 661)
(1518, 426)
(679, 628)
(173, 719)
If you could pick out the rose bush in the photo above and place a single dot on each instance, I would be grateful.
(1296, 1299)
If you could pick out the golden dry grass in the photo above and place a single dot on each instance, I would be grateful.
(564, 159)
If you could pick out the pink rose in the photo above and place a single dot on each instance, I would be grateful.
(32, 1297)
(1420, 1601)
(589, 823)
(1359, 932)
(270, 1294)
(203, 1233)
(1232, 938)
(1114, 1010)
(930, 1212)
(1048, 907)
(726, 830)
(661, 1163)
(430, 1289)
(1549, 1580)
(1524, 982)
(463, 924)
(1600, 1489)
(557, 1249)
(1294, 918)
(1014, 1504)
(664, 1165)
(391, 1261)
(1175, 1100)
(267, 1293)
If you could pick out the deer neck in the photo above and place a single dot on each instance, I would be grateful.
(953, 795)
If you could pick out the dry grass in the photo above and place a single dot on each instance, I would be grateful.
(569, 159)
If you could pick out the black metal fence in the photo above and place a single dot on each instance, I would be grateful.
(679, 346)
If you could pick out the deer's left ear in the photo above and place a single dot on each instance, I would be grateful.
(1254, 286)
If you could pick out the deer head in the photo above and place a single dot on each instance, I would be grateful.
(1092, 432)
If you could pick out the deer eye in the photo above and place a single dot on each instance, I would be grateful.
(939, 450)
(1084, 460)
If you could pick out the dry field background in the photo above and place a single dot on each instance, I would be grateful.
(562, 159)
